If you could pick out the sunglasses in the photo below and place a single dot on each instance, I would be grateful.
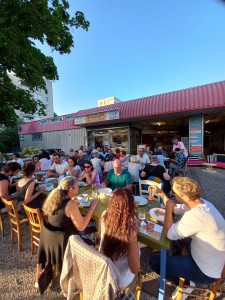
(87, 167)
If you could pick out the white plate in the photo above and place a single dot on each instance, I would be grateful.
(84, 203)
(140, 200)
(155, 216)
(106, 191)
(82, 183)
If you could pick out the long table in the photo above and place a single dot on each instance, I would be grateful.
(163, 244)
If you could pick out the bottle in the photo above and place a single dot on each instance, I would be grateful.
(151, 193)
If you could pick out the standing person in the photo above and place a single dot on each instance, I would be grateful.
(10, 169)
(57, 169)
(202, 223)
(89, 174)
(26, 188)
(36, 162)
(45, 161)
(16, 158)
(119, 229)
(177, 163)
(178, 144)
(118, 177)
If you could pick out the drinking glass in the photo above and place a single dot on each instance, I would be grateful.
(94, 191)
(141, 215)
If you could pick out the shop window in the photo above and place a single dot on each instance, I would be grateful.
(36, 136)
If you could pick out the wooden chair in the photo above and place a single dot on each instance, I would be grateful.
(15, 220)
(34, 217)
(144, 192)
(209, 293)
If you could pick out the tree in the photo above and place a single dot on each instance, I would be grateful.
(22, 22)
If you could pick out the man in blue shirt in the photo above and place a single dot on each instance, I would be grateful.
(117, 177)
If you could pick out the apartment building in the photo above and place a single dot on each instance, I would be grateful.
(45, 96)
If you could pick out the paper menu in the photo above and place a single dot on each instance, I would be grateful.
(151, 229)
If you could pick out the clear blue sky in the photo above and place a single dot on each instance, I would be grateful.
(140, 48)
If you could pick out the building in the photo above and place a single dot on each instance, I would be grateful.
(196, 115)
(108, 101)
(45, 96)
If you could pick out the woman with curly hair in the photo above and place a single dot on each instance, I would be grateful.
(119, 229)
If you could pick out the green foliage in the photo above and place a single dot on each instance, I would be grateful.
(9, 139)
(30, 151)
(22, 22)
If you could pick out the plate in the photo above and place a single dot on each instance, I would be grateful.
(106, 191)
(84, 203)
(153, 213)
(49, 179)
(82, 183)
(140, 200)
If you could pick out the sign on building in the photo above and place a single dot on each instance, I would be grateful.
(101, 116)
(196, 134)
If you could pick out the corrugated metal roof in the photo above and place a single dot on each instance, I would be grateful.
(190, 99)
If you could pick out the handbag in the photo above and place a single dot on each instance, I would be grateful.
(44, 279)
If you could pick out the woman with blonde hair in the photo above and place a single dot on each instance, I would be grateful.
(119, 229)
(62, 219)
(134, 168)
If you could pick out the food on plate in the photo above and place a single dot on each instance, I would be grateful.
(149, 227)
(159, 212)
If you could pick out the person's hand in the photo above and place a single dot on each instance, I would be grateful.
(42, 189)
(134, 230)
(155, 189)
(93, 204)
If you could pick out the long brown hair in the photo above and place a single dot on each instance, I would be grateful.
(55, 198)
(117, 221)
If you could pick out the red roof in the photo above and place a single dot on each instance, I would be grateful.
(188, 100)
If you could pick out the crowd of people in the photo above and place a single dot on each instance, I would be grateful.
(200, 226)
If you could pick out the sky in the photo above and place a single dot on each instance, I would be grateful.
(139, 48)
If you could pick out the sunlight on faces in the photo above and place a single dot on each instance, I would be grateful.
(117, 167)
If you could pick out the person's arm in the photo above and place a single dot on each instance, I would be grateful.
(82, 176)
(29, 192)
(133, 250)
(166, 176)
(73, 212)
(4, 189)
(129, 181)
(51, 172)
(90, 178)
(168, 220)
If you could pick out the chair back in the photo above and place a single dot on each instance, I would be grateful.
(143, 188)
(86, 269)
(34, 217)
(12, 211)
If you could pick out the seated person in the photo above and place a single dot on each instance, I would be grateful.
(156, 170)
(202, 223)
(96, 162)
(89, 174)
(177, 163)
(36, 162)
(45, 161)
(16, 158)
(57, 169)
(119, 229)
(10, 169)
(117, 177)
(142, 157)
(134, 168)
(109, 152)
(62, 218)
(26, 188)
(73, 169)
(124, 159)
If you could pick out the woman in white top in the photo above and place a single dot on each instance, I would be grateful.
(96, 162)
(119, 229)
(45, 161)
(205, 227)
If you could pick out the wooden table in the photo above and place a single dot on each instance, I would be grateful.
(162, 245)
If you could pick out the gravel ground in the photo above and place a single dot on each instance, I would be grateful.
(17, 269)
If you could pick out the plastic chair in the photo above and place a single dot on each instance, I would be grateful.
(90, 273)
(34, 216)
(143, 188)
(15, 220)
(210, 293)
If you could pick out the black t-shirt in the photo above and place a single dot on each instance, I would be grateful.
(156, 171)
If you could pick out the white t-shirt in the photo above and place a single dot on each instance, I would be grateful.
(96, 162)
(59, 167)
(182, 147)
(206, 226)
(45, 164)
(134, 170)
(19, 161)
(144, 159)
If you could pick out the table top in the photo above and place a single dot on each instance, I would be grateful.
(163, 242)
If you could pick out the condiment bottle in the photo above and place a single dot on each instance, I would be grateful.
(151, 193)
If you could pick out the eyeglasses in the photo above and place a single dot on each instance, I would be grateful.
(87, 167)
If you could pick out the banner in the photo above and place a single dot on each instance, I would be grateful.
(196, 134)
